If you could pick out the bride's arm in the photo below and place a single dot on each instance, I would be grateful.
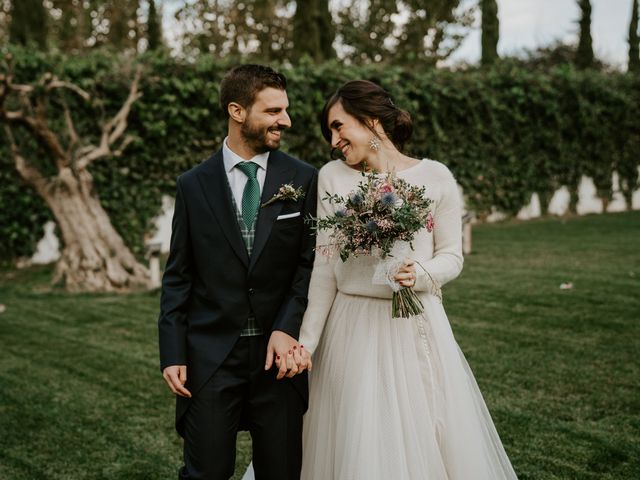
(322, 287)
(446, 263)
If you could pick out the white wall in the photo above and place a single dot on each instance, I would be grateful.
(588, 201)
(48, 248)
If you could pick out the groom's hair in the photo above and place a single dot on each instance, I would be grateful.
(242, 83)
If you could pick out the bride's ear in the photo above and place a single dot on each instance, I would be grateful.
(375, 126)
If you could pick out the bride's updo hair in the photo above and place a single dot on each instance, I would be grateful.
(367, 101)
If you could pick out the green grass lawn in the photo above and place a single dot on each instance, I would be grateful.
(81, 395)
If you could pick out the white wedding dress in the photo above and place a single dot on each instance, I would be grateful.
(393, 398)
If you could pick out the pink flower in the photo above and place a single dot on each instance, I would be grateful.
(386, 188)
(430, 223)
(385, 224)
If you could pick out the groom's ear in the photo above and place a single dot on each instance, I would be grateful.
(236, 112)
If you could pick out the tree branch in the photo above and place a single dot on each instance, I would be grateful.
(38, 125)
(33, 116)
(27, 171)
(73, 134)
(125, 143)
(113, 129)
(4, 89)
(8, 81)
(55, 83)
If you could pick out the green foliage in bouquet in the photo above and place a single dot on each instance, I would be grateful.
(381, 210)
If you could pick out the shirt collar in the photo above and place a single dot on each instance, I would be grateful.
(231, 159)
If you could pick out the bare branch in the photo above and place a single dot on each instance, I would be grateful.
(33, 116)
(46, 136)
(125, 143)
(37, 125)
(25, 99)
(27, 171)
(4, 87)
(19, 88)
(93, 153)
(85, 150)
(73, 134)
(113, 129)
(14, 116)
(9, 86)
(118, 124)
(55, 83)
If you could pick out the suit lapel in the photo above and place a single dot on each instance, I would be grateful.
(278, 173)
(215, 186)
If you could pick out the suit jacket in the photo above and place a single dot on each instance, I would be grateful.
(211, 285)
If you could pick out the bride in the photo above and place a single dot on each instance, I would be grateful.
(389, 397)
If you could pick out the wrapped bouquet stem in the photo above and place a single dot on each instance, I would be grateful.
(405, 302)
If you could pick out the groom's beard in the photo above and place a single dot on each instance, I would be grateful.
(260, 139)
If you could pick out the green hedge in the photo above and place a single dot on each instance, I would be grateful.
(505, 132)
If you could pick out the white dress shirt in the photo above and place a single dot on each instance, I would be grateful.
(237, 179)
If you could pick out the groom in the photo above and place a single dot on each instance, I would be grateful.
(235, 289)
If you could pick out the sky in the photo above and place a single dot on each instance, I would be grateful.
(528, 24)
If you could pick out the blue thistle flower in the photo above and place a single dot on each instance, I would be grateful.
(388, 199)
(372, 226)
(341, 213)
(356, 199)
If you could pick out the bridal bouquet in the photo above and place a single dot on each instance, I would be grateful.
(381, 217)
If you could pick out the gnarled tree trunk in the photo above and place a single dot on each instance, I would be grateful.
(94, 257)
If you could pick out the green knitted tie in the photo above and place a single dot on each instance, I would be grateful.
(251, 193)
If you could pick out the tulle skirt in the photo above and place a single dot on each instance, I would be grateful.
(395, 398)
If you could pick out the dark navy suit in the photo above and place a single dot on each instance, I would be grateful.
(209, 289)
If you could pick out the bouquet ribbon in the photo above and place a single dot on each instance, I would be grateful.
(405, 303)
(389, 267)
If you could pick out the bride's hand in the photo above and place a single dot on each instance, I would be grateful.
(406, 276)
(303, 359)
(300, 357)
(280, 351)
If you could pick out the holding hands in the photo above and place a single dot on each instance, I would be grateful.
(283, 351)
(291, 358)
(287, 354)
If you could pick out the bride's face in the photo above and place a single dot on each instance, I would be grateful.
(349, 135)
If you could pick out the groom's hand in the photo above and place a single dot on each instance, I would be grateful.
(176, 377)
(281, 346)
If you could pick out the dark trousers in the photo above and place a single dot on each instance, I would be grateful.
(240, 395)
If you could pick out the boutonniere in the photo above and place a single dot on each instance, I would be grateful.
(286, 192)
